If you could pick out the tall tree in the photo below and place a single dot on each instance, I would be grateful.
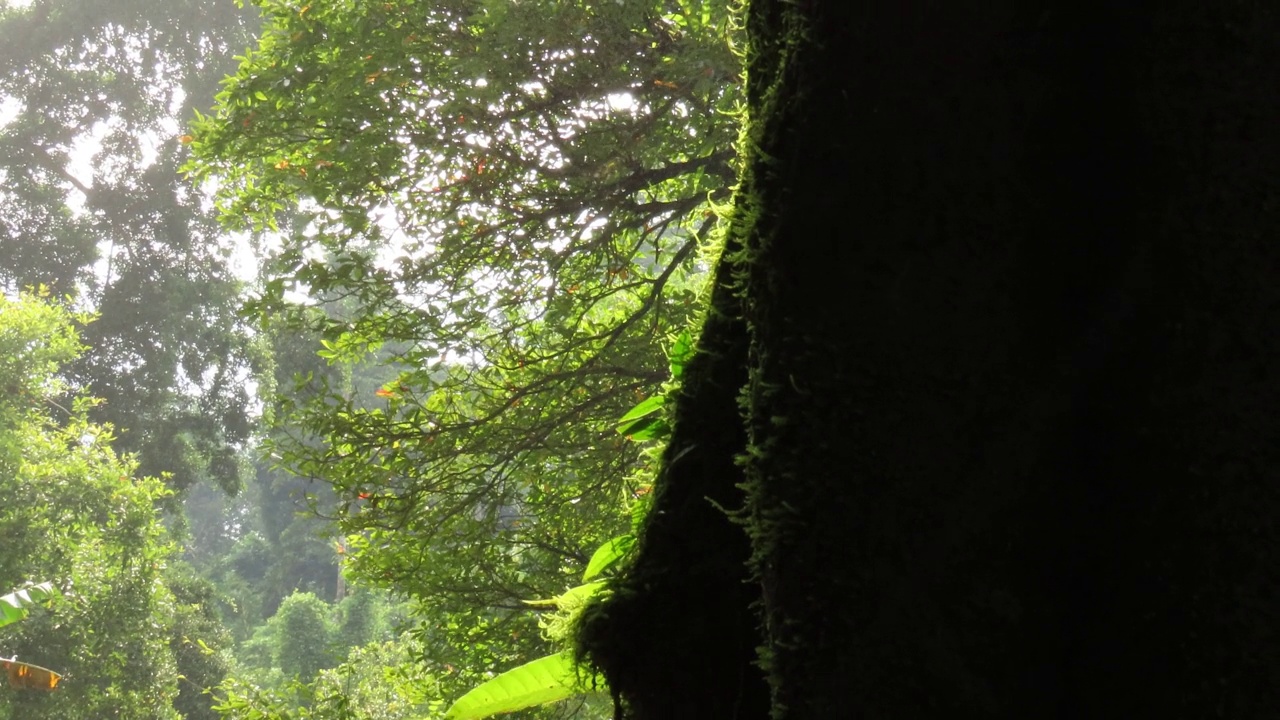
(94, 206)
(304, 636)
(75, 514)
(999, 307)
(507, 201)
(196, 639)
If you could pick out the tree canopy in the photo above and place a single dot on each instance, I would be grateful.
(498, 210)
(93, 207)
(76, 514)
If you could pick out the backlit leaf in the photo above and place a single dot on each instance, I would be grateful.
(607, 556)
(545, 680)
(13, 607)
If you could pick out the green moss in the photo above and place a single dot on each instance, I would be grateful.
(679, 634)
(676, 637)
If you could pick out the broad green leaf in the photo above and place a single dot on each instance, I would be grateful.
(647, 407)
(646, 428)
(545, 680)
(608, 555)
(13, 607)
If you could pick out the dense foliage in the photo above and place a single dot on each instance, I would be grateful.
(93, 206)
(78, 515)
(494, 216)
(473, 230)
(375, 367)
(509, 198)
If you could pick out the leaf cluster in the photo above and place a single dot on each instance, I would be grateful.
(77, 515)
(491, 214)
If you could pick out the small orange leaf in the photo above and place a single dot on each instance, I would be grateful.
(185, 139)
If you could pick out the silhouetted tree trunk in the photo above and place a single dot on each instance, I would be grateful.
(1001, 307)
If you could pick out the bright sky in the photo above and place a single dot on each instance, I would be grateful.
(9, 109)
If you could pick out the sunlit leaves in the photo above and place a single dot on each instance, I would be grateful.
(496, 212)
(77, 514)
(608, 555)
(14, 606)
(644, 421)
(537, 682)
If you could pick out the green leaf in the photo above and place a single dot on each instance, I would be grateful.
(608, 555)
(646, 429)
(680, 353)
(13, 607)
(646, 407)
(643, 422)
(545, 680)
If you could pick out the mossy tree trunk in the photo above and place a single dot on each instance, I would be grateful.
(990, 374)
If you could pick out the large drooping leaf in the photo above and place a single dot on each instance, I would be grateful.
(13, 607)
(545, 680)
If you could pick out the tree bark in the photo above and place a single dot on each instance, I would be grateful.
(1000, 298)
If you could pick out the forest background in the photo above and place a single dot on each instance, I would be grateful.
(321, 323)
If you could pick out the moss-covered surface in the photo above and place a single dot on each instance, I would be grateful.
(677, 636)
(1001, 296)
